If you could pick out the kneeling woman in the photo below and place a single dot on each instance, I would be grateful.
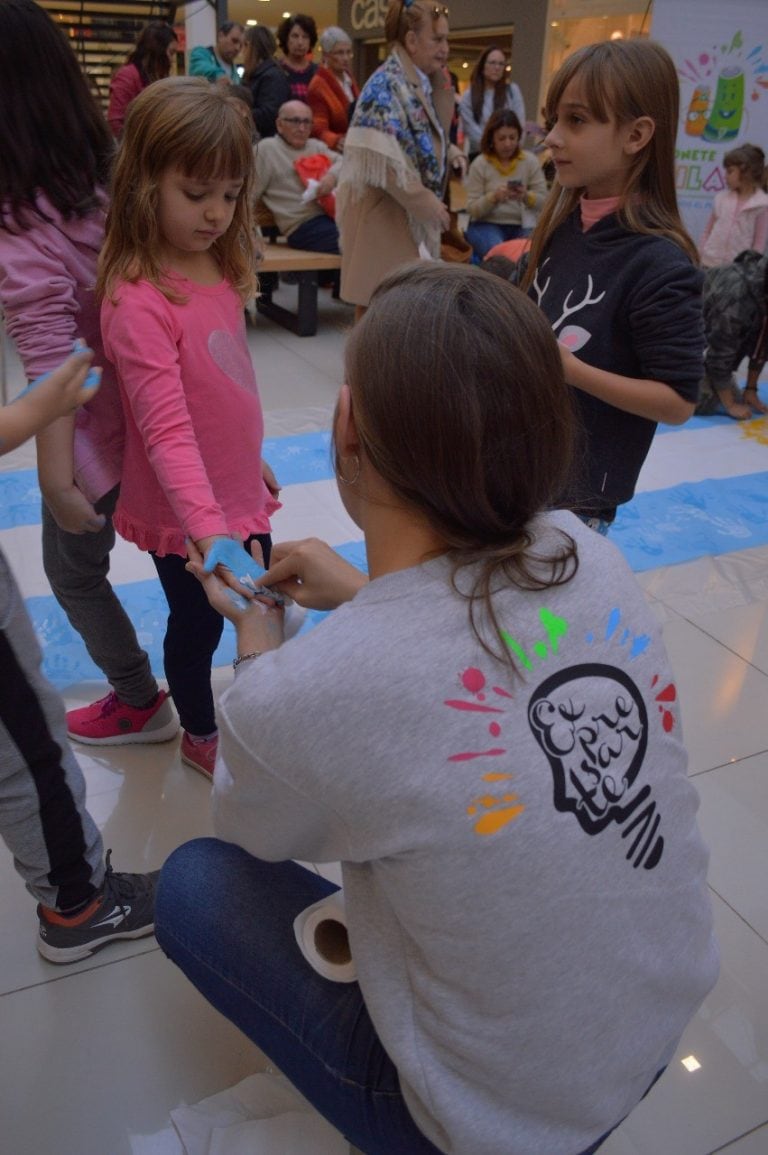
(503, 181)
(475, 733)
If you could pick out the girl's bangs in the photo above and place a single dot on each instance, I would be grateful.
(224, 153)
(590, 71)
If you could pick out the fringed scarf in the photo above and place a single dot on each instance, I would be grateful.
(391, 136)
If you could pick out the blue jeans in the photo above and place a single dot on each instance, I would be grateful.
(318, 235)
(226, 919)
(483, 235)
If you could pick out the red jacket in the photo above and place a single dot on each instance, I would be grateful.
(330, 107)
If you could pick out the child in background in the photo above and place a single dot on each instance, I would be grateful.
(612, 266)
(505, 185)
(56, 153)
(739, 218)
(56, 847)
(175, 272)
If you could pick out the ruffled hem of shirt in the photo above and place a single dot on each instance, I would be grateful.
(174, 541)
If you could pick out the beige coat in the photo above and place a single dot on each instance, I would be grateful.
(380, 228)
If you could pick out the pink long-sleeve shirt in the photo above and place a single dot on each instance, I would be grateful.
(47, 277)
(737, 223)
(194, 424)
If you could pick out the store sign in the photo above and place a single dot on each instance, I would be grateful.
(367, 15)
(721, 54)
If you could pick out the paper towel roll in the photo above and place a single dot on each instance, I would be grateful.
(321, 932)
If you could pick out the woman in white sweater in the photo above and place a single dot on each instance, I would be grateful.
(505, 188)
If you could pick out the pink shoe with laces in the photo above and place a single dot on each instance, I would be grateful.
(200, 753)
(110, 722)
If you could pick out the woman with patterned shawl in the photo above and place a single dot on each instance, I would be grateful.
(389, 200)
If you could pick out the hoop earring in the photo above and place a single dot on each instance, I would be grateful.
(356, 469)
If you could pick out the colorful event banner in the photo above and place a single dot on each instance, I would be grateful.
(721, 53)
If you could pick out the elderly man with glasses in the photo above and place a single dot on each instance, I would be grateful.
(284, 165)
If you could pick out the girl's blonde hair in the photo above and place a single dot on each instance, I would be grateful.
(623, 80)
(187, 124)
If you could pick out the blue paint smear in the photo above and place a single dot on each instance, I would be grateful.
(670, 526)
(66, 661)
(295, 461)
(301, 458)
(666, 527)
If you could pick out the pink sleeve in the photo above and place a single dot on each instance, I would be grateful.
(38, 297)
(707, 229)
(141, 338)
(760, 239)
(124, 86)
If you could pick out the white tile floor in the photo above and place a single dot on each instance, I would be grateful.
(94, 1056)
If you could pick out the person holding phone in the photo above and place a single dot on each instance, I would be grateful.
(505, 188)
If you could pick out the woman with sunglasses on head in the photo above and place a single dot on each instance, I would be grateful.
(397, 154)
(489, 91)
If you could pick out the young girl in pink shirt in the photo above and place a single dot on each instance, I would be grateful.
(739, 218)
(175, 271)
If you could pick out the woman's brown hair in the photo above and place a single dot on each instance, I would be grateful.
(502, 118)
(461, 407)
(623, 80)
(477, 85)
(188, 124)
(151, 52)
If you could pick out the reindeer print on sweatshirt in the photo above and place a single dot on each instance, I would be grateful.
(628, 303)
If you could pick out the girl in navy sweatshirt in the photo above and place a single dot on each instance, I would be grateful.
(612, 266)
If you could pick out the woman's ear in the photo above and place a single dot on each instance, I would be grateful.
(345, 429)
(639, 132)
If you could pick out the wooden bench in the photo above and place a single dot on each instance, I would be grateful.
(305, 265)
(279, 257)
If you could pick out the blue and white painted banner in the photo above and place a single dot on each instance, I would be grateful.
(703, 491)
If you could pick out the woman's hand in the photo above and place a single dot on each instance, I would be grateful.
(443, 216)
(326, 185)
(259, 624)
(313, 574)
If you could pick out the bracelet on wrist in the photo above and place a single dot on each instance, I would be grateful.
(246, 658)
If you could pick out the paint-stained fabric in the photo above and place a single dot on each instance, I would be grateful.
(524, 878)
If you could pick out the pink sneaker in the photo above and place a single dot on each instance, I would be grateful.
(110, 722)
(200, 754)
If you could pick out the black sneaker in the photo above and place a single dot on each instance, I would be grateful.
(124, 909)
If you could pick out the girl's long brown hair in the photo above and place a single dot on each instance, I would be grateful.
(462, 408)
(477, 85)
(623, 80)
(188, 124)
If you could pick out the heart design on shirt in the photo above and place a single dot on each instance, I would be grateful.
(232, 358)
